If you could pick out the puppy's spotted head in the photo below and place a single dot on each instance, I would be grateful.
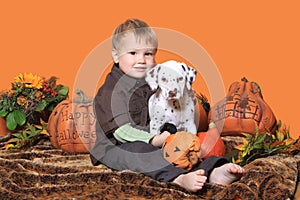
(172, 77)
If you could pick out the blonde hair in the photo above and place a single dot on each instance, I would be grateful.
(140, 29)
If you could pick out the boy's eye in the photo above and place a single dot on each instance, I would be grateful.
(132, 52)
(149, 54)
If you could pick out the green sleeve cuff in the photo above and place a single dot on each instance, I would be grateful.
(127, 133)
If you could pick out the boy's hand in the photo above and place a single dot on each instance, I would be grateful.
(158, 140)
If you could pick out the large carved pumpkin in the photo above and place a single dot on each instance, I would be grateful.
(243, 110)
(72, 125)
(211, 142)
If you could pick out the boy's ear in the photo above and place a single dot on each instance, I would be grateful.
(115, 55)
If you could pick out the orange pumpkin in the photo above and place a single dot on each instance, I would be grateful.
(182, 149)
(3, 128)
(72, 125)
(211, 143)
(202, 107)
(243, 110)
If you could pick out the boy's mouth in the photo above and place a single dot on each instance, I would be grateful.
(140, 68)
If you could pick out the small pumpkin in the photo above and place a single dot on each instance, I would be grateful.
(3, 128)
(72, 125)
(182, 149)
(242, 110)
(211, 143)
(202, 108)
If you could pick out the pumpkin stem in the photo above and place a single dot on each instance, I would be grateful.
(244, 79)
(81, 96)
(258, 88)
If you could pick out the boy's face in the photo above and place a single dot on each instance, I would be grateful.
(135, 58)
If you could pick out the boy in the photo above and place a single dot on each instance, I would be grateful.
(121, 106)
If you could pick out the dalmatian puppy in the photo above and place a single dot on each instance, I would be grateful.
(172, 102)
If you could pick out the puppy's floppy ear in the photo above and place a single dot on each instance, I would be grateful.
(190, 75)
(151, 77)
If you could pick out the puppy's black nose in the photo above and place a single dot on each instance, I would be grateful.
(171, 128)
(173, 93)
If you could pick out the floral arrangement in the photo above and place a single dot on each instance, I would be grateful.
(29, 99)
(267, 144)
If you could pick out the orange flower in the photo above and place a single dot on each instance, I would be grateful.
(39, 95)
(11, 93)
(29, 80)
(22, 101)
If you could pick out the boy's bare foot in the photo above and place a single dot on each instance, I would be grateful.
(226, 174)
(192, 181)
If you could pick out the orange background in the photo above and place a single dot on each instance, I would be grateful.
(256, 39)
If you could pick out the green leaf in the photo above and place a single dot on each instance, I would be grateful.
(20, 117)
(41, 106)
(257, 145)
(24, 136)
(247, 150)
(261, 138)
(20, 136)
(288, 133)
(17, 135)
(256, 135)
(267, 147)
(51, 107)
(11, 122)
(64, 90)
(279, 124)
(13, 140)
(245, 134)
(3, 113)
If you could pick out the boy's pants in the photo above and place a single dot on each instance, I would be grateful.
(147, 159)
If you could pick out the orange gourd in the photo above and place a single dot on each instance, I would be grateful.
(211, 143)
(3, 128)
(243, 110)
(201, 111)
(72, 125)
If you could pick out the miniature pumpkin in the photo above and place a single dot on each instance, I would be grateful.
(182, 149)
(3, 128)
(243, 110)
(211, 143)
(72, 125)
(202, 108)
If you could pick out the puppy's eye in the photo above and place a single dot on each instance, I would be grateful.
(179, 79)
(164, 79)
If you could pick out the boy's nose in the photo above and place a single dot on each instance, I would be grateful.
(141, 59)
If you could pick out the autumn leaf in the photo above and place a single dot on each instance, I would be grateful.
(240, 147)
(8, 146)
(279, 136)
(289, 141)
(258, 145)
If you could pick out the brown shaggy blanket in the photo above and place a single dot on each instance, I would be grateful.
(42, 172)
